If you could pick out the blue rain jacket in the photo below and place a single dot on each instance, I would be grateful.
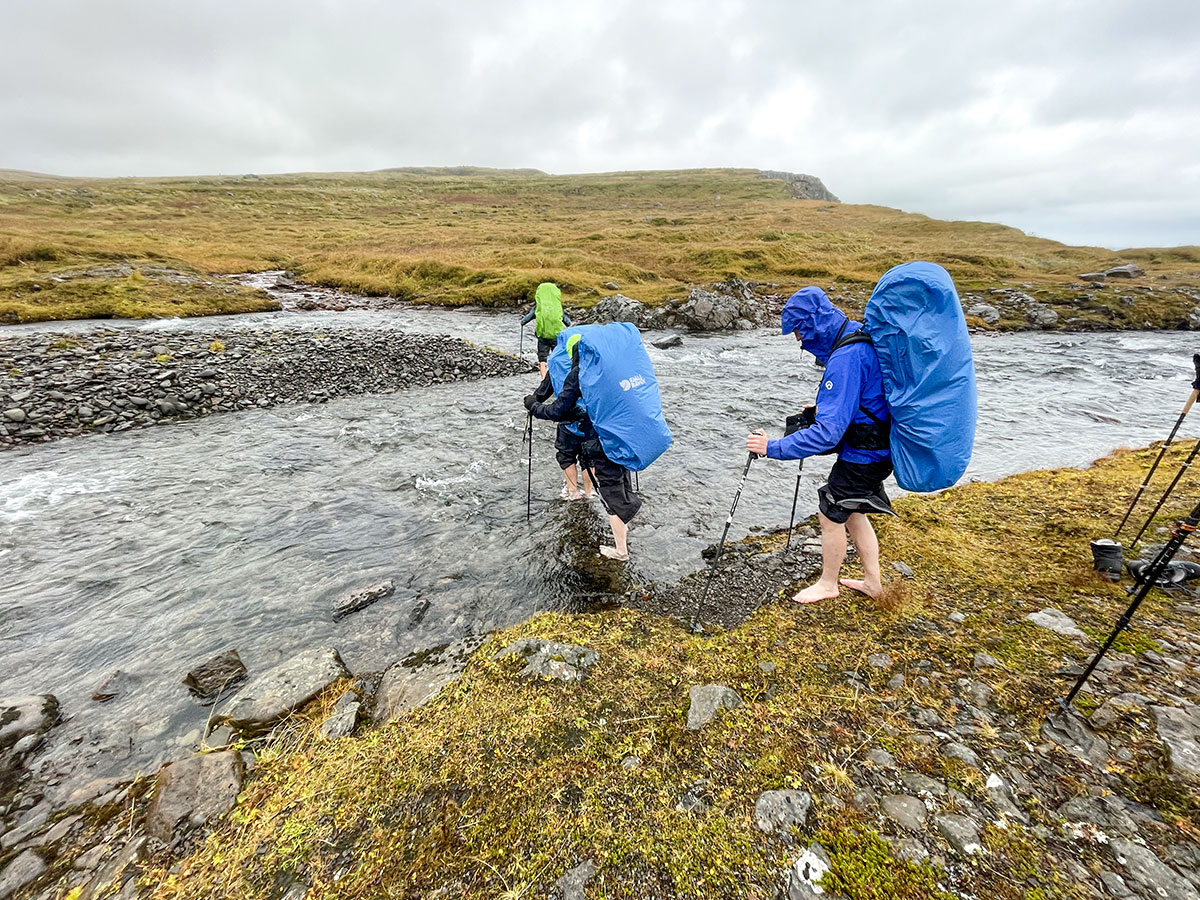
(851, 379)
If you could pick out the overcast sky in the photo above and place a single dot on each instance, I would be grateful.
(1078, 121)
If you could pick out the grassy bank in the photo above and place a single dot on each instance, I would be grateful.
(501, 785)
(488, 238)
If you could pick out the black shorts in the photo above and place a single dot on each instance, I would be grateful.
(855, 487)
(614, 484)
(568, 447)
(545, 348)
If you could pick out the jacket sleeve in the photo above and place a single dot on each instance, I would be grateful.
(544, 391)
(562, 409)
(529, 317)
(837, 401)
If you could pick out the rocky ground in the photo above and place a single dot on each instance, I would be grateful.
(59, 385)
(840, 749)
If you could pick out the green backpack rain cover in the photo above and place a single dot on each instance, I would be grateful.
(548, 304)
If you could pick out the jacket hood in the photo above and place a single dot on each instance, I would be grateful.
(809, 312)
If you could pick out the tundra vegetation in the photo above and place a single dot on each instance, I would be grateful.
(72, 248)
(502, 784)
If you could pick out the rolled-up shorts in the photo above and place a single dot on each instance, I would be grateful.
(614, 484)
(855, 487)
(568, 447)
(545, 348)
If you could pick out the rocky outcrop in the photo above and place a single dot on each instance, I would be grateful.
(804, 187)
(269, 697)
(729, 305)
(24, 719)
(550, 659)
(192, 791)
(418, 679)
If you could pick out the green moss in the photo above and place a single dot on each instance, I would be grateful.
(863, 867)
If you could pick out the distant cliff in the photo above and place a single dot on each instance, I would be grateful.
(804, 187)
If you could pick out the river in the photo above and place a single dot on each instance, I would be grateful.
(152, 550)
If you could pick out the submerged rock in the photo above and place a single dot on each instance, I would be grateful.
(273, 694)
(707, 700)
(192, 791)
(361, 599)
(210, 678)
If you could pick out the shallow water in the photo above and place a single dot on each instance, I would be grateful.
(151, 550)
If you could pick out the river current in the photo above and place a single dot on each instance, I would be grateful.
(152, 550)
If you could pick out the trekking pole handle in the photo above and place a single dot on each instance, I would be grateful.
(1196, 363)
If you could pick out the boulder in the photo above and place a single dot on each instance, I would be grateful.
(26, 716)
(985, 311)
(270, 696)
(1126, 271)
(192, 791)
(210, 678)
(361, 599)
(618, 308)
(1057, 621)
(667, 343)
(1041, 316)
(1179, 730)
(409, 684)
(777, 811)
(706, 701)
(551, 659)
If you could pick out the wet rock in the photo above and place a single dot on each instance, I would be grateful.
(1111, 710)
(343, 717)
(1069, 732)
(571, 885)
(1150, 876)
(418, 679)
(907, 812)
(960, 833)
(707, 700)
(361, 599)
(209, 679)
(551, 659)
(192, 791)
(273, 694)
(777, 811)
(113, 685)
(1179, 730)
(1127, 271)
(26, 716)
(985, 311)
(667, 343)
(1057, 621)
(962, 753)
(23, 870)
(804, 878)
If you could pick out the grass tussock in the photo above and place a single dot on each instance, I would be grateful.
(488, 237)
(501, 785)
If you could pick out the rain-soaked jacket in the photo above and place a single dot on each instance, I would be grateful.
(851, 383)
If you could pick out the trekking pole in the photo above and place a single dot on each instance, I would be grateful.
(795, 497)
(697, 625)
(529, 480)
(1144, 582)
(521, 352)
(1163, 452)
(1187, 464)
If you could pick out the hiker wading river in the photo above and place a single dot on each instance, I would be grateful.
(155, 549)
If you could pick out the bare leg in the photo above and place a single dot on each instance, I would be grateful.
(620, 537)
(588, 487)
(867, 545)
(833, 551)
(542, 369)
(572, 476)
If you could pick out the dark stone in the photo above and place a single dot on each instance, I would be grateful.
(1068, 731)
(209, 679)
(667, 343)
(361, 599)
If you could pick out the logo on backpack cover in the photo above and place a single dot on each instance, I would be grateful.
(635, 381)
(829, 385)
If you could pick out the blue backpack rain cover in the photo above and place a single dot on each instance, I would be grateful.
(917, 326)
(558, 367)
(620, 392)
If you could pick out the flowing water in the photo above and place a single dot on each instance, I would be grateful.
(152, 550)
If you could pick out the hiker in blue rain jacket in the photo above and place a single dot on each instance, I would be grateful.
(850, 419)
(612, 480)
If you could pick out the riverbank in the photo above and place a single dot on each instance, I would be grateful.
(60, 385)
(901, 752)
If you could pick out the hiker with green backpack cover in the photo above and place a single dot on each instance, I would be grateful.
(548, 313)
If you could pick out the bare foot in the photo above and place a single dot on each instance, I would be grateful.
(575, 496)
(815, 592)
(613, 553)
(872, 590)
